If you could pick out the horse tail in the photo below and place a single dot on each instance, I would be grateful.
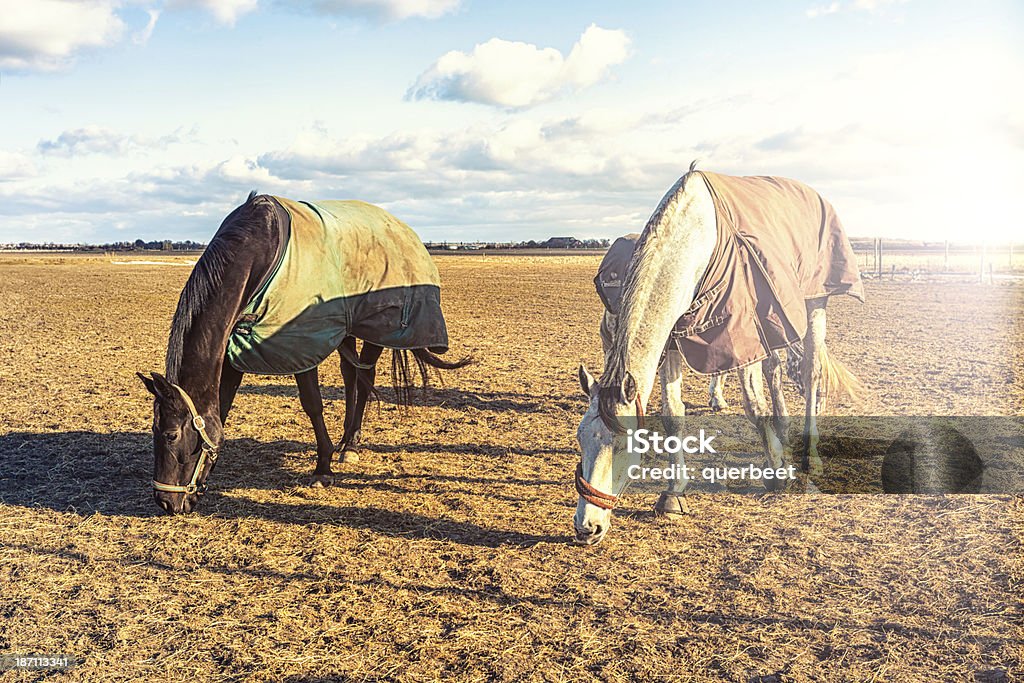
(837, 380)
(435, 361)
(403, 375)
(352, 359)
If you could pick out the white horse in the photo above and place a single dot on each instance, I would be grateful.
(670, 386)
(673, 408)
(670, 372)
(609, 279)
(675, 251)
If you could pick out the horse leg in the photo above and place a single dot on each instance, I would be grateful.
(756, 408)
(671, 503)
(230, 379)
(313, 405)
(794, 369)
(773, 375)
(367, 378)
(350, 377)
(716, 397)
(812, 373)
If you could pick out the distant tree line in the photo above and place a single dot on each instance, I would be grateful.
(137, 245)
(565, 243)
(550, 243)
(189, 245)
(168, 245)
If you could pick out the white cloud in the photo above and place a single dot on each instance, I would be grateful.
(229, 11)
(384, 9)
(822, 10)
(99, 140)
(515, 74)
(867, 137)
(225, 11)
(88, 140)
(871, 6)
(142, 36)
(903, 143)
(592, 149)
(15, 165)
(46, 34)
(243, 171)
(875, 5)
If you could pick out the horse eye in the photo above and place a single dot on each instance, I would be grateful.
(171, 437)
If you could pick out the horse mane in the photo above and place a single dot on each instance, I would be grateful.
(205, 280)
(610, 394)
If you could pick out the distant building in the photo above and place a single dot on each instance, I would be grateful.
(561, 243)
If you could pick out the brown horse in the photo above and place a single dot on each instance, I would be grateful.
(271, 256)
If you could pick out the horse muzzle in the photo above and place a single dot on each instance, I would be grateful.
(176, 503)
(591, 536)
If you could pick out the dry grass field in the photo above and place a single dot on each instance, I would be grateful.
(445, 553)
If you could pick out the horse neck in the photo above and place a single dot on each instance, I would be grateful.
(205, 344)
(671, 258)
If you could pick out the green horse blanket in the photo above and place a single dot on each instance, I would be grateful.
(346, 268)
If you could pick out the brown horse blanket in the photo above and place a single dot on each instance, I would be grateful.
(779, 244)
(346, 268)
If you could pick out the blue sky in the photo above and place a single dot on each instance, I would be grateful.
(483, 120)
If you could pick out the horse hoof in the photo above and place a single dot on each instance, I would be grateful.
(349, 457)
(322, 480)
(719, 406)
(671, 506)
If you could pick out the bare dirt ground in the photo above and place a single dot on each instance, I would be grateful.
(445, 553)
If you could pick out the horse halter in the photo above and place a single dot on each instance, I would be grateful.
(208, 450)
(588, 491)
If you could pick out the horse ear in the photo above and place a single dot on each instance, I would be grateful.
(150, 384)
(164, 389)
(628, 388)
(157, 385)
(587, 381)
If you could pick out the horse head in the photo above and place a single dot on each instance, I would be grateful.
(603, 461)
(185, 446)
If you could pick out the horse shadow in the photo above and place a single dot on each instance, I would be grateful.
(87, 472)
(108, 473)
(436, 397)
